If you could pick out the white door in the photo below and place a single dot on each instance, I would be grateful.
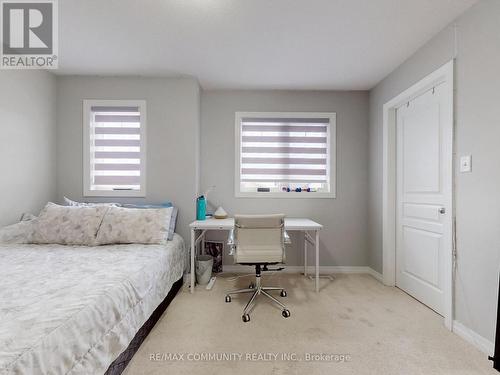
(424, 193)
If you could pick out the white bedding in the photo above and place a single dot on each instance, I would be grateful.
(73, 310)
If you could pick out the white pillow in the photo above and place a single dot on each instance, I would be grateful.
(70, 202)
(21, 232)
(133, 225)
(68, 225)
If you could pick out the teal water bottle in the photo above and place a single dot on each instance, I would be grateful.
(201, 208)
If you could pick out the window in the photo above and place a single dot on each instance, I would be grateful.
(114, 148)
(285, 155)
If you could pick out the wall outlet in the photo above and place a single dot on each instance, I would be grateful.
(465, 164)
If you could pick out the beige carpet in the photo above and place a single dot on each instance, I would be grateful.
(377, 330)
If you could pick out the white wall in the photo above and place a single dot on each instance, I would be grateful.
(27, 142)
(344, 238)
(477, 81)
(173, 106)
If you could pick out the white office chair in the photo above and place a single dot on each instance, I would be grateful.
(259, 240)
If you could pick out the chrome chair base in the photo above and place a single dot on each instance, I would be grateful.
(257, 290)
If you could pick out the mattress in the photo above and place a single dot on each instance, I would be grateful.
(73, 310)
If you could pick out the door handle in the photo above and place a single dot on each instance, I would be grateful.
(442, 210)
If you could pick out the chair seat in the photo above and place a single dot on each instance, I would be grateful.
(258, 254)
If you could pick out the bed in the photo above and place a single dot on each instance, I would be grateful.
(79, 309)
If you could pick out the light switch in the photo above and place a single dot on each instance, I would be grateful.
(465, 163)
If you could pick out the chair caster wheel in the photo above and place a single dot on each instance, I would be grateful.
(246, 318)
(285, 313)
(283, 293)
(228, 299)
(251, 286)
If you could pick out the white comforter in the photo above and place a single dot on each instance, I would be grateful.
(73, 310)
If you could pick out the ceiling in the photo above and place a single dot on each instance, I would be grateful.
(250, 44)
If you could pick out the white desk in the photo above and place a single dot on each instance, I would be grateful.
(291, 224)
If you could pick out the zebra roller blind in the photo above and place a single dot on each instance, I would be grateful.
(285, 154)
(116, 148)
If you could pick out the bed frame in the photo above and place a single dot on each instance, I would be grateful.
(119, 364)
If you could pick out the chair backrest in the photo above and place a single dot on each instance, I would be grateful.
(259, 238)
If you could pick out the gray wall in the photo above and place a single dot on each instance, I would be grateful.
(477, 81)
(344, 238)
(27, 144)
(173, 107)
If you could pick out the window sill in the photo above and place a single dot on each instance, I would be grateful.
(290, 195)
(115, 193)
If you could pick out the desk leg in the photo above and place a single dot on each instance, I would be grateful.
(316, 242)
(193, 251)
(305, 254)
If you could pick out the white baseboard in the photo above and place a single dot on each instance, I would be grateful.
(375, 274)
(473, 338)
(324, 270)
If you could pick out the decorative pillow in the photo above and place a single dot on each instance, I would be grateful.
(70, 202)
(68, 225)
(173, 220)
(129, 225)
(21, 232)
(137, 205)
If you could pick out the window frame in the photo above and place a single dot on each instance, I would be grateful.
(87, 105)
(331, 146)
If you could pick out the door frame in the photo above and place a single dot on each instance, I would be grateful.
(389, 197)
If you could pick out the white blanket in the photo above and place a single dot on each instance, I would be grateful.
(73, 310)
